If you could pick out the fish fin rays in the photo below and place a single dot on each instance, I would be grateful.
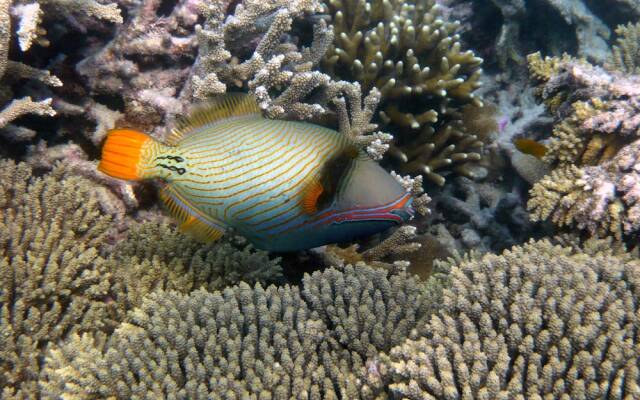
(311, 195)
(217, 109)
(190, 220)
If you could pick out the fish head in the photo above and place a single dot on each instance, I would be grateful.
(358, 198)
(368, 193)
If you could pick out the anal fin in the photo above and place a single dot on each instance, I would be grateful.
(191, 220)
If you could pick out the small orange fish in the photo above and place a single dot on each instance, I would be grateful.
(532, 147)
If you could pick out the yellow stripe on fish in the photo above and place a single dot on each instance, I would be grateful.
(285, 185)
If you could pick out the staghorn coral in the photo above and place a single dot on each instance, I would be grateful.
(53, 281)
(593, 149)
(30, 15)
(244, 342)
(626, 54)
(414, 57)
(539, 321)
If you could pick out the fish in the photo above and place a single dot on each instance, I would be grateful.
(531, 147)
(283, 185)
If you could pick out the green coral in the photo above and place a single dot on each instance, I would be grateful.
(414, 57)
(538, 321)
(247, 342)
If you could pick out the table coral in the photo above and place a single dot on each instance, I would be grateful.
(415, 58)
(538, 321)
(593, 148)
(245, 342)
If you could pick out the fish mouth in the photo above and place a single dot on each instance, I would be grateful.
(397, 211)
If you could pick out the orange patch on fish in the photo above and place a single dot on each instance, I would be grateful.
(310, 199)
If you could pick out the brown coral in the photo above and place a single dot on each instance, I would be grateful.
(156, 256)
(53, 281)
(414, 57)
(539, 321)
(593, 148)
(246, 342)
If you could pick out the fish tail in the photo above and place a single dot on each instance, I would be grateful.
(126, 154)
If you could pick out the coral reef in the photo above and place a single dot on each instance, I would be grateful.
(414, 58)
(626, 53)
(246, 342)
(101, 298)
(581, 27)
(30, 15)
(59, 274)
(280, 74)
(53, 281)
(594, 147)
(483, 216)
(539, 321)
(147, 62)
(156, 256)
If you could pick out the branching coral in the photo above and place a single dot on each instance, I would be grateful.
(52, 280)
(539, 321)
(626, 54)
(594, 148)
(244, 342)
(414, 57)
(147, 62)
(155, 256)
(363, 316)
(281, 75)
(30, 15)
(57, 279)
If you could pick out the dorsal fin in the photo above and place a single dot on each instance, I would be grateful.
(219, 108)
(190, 220)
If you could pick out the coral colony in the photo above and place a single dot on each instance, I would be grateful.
(512, 127)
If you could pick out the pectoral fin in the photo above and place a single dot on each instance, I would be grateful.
(190, 219)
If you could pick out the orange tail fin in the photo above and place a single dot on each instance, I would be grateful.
(122, 154)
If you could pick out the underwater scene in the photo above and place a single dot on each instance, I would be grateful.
(319, 199)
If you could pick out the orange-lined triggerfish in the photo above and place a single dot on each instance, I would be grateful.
(284, 185)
